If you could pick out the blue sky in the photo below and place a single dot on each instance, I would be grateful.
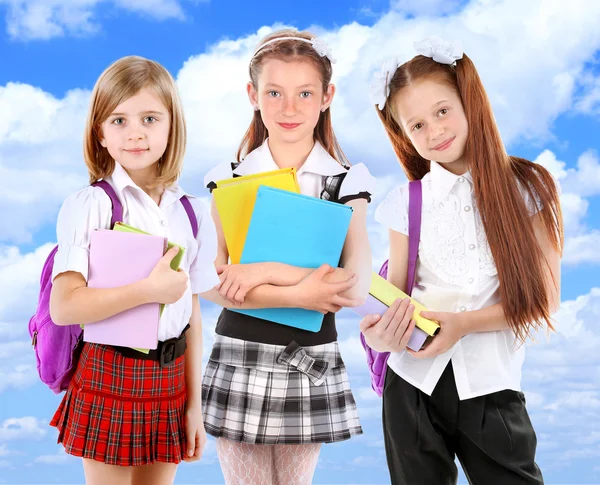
(539, 63)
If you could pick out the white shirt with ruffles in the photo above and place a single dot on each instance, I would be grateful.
(455, 273)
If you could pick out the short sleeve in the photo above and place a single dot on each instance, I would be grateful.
(221, 172)
(534, 204)
(357, 184)
(81, 214)
(392, 212)
(203, 275)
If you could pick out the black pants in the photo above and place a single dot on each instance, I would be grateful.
(491, 435)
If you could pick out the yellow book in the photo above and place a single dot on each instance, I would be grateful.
(235, 198)
(387, 293)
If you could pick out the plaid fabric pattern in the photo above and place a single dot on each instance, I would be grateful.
(331, 189)
(270, 394)
(123, 411)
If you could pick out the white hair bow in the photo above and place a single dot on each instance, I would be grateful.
(439, 50)
(317, 44)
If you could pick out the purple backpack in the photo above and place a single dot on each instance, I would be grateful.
(57, 347)
(377, 361)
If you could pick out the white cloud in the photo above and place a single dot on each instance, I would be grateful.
(40, 139)
(212, 87)
(582, 180)
(17, 375)
(585, 179)
(4, 451)
(581, 243)
(352, 350)
(582, 249)
(561, 383)
(34, 117)
(45, 19)
(19, 283)
(26, 428)
(589, 101)
(58, 458)
(556, 167)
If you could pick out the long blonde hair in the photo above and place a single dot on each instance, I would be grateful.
(289, 50)
(119, 82)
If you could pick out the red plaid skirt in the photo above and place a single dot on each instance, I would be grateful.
(123, 411)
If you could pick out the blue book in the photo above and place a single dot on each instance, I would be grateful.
(298, 230)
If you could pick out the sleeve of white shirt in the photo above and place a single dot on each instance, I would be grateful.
(81, 214)
(358, 184)
(392, 212)
(220, 172)
(203, 275)
(535, 204)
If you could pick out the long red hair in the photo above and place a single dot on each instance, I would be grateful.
(509, 229)
(290, 50)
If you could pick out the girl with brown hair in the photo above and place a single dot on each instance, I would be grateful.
(273, 393)
(488, 264)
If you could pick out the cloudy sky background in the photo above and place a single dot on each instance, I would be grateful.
(538, 60)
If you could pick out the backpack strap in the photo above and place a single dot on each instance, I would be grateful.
(117, 208)
(212, 185)
(189, 210)
(235, 165)
(331, 190)
(415, 204)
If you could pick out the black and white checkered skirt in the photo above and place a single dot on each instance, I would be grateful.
(271, 394)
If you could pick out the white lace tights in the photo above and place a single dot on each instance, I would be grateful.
(246, 464)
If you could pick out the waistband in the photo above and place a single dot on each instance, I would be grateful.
(165, 353)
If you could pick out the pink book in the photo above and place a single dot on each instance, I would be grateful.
(118, 259)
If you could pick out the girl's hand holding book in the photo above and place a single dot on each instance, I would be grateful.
(451, 331)
(165, 285)
(391, 331)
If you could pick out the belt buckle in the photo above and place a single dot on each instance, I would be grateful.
(167, 352)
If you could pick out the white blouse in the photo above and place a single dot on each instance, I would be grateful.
(311, 176)
(90, 209)
(455, 273)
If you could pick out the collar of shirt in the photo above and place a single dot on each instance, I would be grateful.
(121, 180)
(318, 162)
(443, 180)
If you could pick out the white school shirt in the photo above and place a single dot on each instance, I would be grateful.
(90, 209)
(311, 176)
(455, 273)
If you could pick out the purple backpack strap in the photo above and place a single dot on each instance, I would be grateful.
(377, 361)
(117, 208)
(187, 205)
(415, 204)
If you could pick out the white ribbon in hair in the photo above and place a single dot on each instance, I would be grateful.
(317, 44)
(439, 50)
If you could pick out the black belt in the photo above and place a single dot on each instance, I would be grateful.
(166, 352)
